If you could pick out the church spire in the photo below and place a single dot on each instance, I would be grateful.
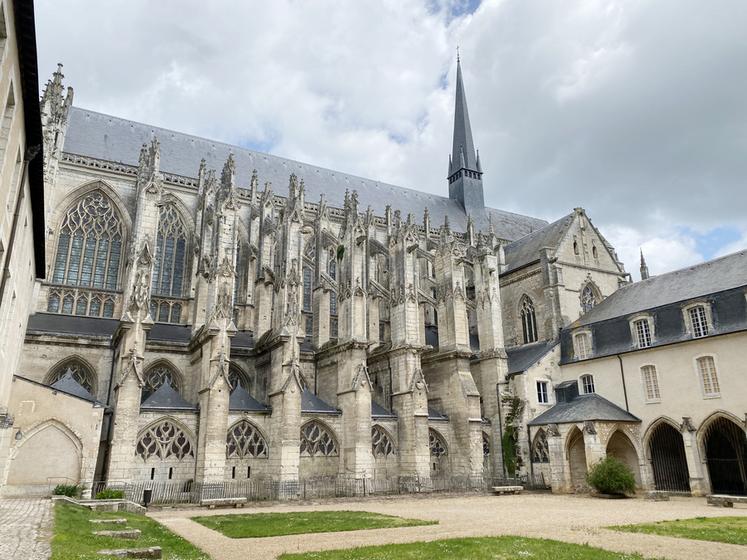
(463, 154)
(644, 268)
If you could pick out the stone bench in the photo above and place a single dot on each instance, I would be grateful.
(150, 552)
(508, 489)
(724, 500)
(212, 503)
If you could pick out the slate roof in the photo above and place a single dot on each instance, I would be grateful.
(311, 403)
(69, 324)
(710, 277)
(462, 145)
(582, 408)
(165, 332)
(119, 140)
(66, 384)
(526, 250)
(240, 399)
(378, 411)
(521, 358)
(434, 414)
(166, 398)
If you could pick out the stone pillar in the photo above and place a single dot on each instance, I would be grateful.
(320, 335)
(373, 320)
(560, 479)
(696, 465)
(354, 399)
(285, 422)
(264, 285)
(595, 450)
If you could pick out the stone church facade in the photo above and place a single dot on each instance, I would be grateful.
(214, 314)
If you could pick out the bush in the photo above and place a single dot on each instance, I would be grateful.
(69, 490)
(610, 476)
(110, 494)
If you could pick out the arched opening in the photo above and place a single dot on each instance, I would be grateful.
(439, 454)
(725, 446)
(158, 375)
(34, 466)
(668, 462)
(621, 448)
(577, 460)
(76, 368)
(528, 320)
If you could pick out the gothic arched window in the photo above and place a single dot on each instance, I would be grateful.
(164, 440)
(485, 445)
(237, 377)
(245, 441)
(588, 298)
(540, 449)
(171, 253)
(436, 443)
(79, 371)
(381, 443)
(528, 320)
(332, 265)
(157, 376)
(316, 439)
(89, 246)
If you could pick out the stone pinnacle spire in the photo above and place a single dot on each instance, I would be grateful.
(644, 267)
(463, 154)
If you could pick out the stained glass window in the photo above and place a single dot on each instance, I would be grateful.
(171, 253)
(89, 245)
(528, 320)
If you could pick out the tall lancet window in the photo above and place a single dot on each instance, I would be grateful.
(528, 320)
(171, 253)
(89, 246)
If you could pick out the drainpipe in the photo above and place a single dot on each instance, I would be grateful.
(622, 378)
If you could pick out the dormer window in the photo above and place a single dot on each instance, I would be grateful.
(698, 318)
(642, 332)
(587, 384)
(582, 345)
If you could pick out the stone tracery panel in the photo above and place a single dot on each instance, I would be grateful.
(77, 370)
(436, 443)
(245, 441)
(381, 443)
(317, 440)
(164, 440)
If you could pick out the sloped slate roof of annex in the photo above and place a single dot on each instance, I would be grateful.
(527, 249)
(119, 140)
(583, 408)
(521, 358)
(710, 277)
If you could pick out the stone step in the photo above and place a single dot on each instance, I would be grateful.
(119, 534)
(150, 552)
(116, 521)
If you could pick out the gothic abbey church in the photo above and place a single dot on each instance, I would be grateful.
(213, 314)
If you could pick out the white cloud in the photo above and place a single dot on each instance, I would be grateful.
(634, 110)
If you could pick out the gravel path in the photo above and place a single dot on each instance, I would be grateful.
(566, 518)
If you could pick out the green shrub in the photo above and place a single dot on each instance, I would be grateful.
(610, 476)
(110, 494)
(69, 490)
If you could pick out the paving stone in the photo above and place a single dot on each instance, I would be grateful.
(150, 552)
(25, 528)
(120, 534)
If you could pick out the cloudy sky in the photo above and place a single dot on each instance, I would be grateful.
(635, 110)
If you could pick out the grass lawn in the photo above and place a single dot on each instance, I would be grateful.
(296, 523)
(493, 548)
(732, 530)
(73, 538)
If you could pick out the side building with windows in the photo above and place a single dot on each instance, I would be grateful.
(654, 376)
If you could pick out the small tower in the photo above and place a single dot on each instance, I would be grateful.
(644, 268)
(465, 171)
(55, 109)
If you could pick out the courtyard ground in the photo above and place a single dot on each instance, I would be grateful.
(25, 528)
(577, 519)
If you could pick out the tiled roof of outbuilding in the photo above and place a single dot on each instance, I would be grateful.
(119, 140)
(67, 384)
(166, 398)
(521, 358)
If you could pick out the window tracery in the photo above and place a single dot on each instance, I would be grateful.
(157, 376)
(237, 377)
(164, 440)
(528, 320)
(245, 441)
(316, 439)
(381, 443)
(171, 253)
(540, 448)
(436, 443)
(80, 372)
(588, 298)
(89, 249)
(485, 445)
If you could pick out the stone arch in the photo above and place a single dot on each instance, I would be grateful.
(540, 452)
(58, 213)
(165, 443)
(620, 446)
(89, 372)
(439, 451)
(723, 445)
(382, 443)
(176, 377)
(184, 211)
(49, 451)
(318, 439)
(664, 450)
(245, 440)
(237, 374)
(576, 457)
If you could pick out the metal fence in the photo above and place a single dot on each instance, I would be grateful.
(341, 486)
